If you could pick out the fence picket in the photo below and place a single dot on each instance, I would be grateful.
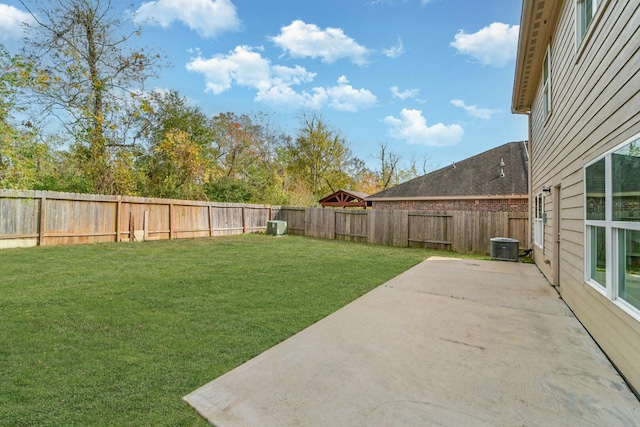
(29, 218)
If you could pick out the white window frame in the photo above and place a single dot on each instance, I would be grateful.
(538, 220)
(546, 81)
(583, 22)
(614, 230)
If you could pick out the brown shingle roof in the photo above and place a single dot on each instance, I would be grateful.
(480, 175)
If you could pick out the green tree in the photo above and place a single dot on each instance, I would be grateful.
(175, 143)
(250, 170)
(184, 168)
(26, 161)
(319, 157)
(92, 70)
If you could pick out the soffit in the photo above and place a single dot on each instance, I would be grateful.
(537, 23)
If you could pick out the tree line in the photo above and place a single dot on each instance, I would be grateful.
(74, 116)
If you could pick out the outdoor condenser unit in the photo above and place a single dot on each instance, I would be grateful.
(276, 228)
(504, 249)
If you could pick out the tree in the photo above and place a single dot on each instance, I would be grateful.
(247, 148)
(184, 169)
(239, 143)
(387, 175)
(319, 157)
(25, 160)
(175, 143)
(93, 70)
(390, 172)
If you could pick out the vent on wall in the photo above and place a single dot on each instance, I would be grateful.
(504, 249)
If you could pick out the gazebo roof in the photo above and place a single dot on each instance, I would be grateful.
(345, 199)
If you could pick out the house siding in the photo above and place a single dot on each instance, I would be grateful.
(595, 99)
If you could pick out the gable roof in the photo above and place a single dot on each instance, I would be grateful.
(344, 198)
(480, 175)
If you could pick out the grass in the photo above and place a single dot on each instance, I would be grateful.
(116, 334)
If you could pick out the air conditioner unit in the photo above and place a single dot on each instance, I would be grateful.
(276, 228)
(504, 249)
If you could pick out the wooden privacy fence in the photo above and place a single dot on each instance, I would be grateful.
(459, 231)
(30, 218)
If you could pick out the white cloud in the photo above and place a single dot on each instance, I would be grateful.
(241, 66)
(412, 127)
(303, 40)
(494, 45)
(208, 18)
(345, 97)
(275, 84)
(473, 110)
(11, 20)
(405, 94)
(394, 51)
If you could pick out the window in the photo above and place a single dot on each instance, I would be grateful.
(538, 220)
(546, 82)
(596, 228)
(612, 212)
(585, 11)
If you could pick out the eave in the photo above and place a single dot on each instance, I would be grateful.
(537, 23)
(446, 198)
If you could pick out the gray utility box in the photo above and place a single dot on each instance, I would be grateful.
(276, 228)
(504, 249)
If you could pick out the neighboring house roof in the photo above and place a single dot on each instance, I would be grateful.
(344, 198)
(537, 22)
(501, 171)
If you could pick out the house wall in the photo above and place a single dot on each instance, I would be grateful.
(595, 107)
(471, 205)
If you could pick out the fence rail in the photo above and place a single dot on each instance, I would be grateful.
(30, 218)
(460, 231)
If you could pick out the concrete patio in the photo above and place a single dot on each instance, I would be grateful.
(447, 343)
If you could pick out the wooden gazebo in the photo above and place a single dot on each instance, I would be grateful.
(345, 199)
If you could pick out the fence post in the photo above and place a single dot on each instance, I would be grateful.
(43, 217)
(145, 225)
(210, 221)
(132, 227)
(171, 221)
(118, 218)
(244, 221)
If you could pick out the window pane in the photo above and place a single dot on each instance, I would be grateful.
(585, 16)
(595, 191)
(626, 183)
(598, 255)
(538, 232)
(629, 286)
(586, 10)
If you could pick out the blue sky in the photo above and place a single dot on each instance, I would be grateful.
(431, 78)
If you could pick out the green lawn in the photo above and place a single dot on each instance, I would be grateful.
(116, 334)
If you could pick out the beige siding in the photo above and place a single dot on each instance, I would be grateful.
(595, 99)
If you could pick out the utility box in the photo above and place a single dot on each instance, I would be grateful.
(504, 249)
(276, 228)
